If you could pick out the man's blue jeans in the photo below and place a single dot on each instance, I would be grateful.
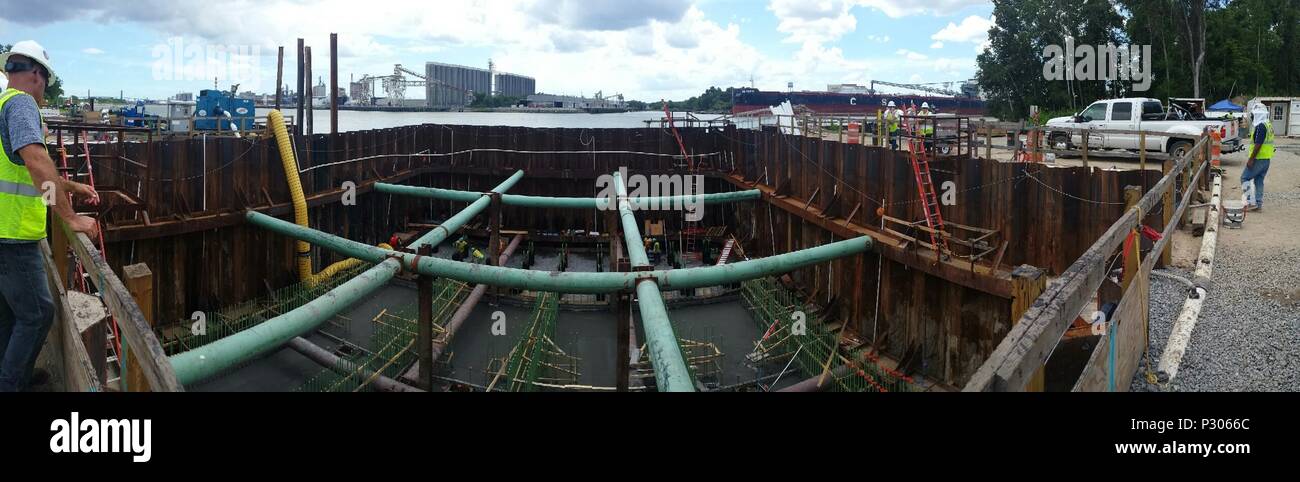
(1257, 174)
(26, 312)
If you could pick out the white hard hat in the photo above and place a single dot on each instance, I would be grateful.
(891, 104)
(1259, 114)
(32, 50)
(925, 105)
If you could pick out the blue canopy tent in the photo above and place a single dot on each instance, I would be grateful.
(1226, 105)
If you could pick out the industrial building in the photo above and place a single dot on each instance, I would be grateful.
(513, 85)
(448, 84)
(573, 102)
(1284, 113)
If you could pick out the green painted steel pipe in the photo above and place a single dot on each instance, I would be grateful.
(207, 361)
(631, 232)
(570, 282)
(569, 202)
(671, 374)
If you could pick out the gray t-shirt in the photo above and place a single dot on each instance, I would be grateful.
(20, 126)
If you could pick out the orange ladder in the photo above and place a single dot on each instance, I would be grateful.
(929, 200)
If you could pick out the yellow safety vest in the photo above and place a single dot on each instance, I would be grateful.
(1265, 149)
(22, 213)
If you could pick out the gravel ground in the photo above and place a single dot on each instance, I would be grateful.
(1167, 297)
(1248, 334)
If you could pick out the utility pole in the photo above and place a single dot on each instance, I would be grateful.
(297, 121)
(279, 75)
(334, 83)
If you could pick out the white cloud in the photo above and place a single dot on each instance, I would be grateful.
(910, 55)
(813, 23)
(974, 29)
(92, 51)
(936, 45)
(903, 8)
(646, 50)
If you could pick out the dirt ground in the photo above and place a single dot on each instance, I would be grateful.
(1276, 225)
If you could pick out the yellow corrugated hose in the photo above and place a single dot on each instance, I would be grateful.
(287, 159)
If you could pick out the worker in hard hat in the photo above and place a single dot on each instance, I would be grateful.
(1261, 155)
(478, 258)
(655, 251)
(893, 123)
(926, 130)
(462, 247)
(28, 181)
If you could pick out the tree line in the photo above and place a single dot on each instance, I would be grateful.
(1213, 49)
(713, 99)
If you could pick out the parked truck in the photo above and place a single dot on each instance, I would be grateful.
(1180, 118)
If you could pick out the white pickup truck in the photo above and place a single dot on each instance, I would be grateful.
(1140, 114)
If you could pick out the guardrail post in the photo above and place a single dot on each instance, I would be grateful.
(1027, 284)
(424, 336)
(139, 282)
(1166, 256)
(59, 249)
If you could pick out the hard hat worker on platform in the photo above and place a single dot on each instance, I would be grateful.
(28, 183)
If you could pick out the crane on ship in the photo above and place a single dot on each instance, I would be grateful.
(968, 88)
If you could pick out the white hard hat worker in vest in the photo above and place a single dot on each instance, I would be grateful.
(893, 123)
(1261, 155)
(27, 180)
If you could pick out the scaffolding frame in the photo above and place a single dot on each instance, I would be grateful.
(392, 344)
(536, 361)
(814, 352)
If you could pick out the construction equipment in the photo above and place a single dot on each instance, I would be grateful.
(968, 88)
(929, 199)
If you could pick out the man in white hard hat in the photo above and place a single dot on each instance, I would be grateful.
(28, 183)
(1261, 155)
(893, 122)
(926, 129)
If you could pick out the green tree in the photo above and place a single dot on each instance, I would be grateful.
(1011, 69)
(53, 91)
(484, 101)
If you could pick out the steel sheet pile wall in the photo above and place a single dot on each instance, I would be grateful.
(940, 327)
(195, 191)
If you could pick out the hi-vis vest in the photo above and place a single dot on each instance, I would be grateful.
(1265, 149)
(22, 213)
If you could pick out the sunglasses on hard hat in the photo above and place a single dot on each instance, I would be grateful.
(17, 67)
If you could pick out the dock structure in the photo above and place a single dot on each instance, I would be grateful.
(830, 279)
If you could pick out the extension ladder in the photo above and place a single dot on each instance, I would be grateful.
(82, 277)
(929, 200)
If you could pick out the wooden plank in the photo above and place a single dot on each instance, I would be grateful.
(133, 328)
(78, 370)
(1029, 343)
(1129, 341)
(139, 282)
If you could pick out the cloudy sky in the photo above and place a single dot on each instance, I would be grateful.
(645, 49)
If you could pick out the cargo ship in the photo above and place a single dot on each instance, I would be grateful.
(862, 102)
